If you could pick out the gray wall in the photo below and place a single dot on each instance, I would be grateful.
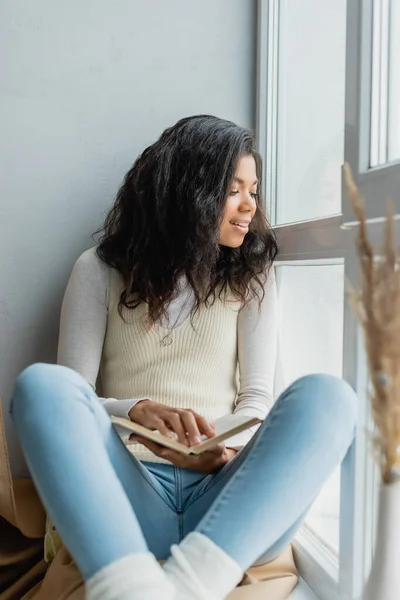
(85, 86)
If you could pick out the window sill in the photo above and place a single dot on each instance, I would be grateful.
(302, 592)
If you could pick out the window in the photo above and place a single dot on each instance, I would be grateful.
(372, 113)
(310, 111)
(385, 98)
(394, 83)
(310, 341)
(328, 92)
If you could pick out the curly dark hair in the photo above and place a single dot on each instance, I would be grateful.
(166, 218)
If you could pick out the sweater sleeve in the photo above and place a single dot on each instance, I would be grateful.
(257, 345)
(83, 325)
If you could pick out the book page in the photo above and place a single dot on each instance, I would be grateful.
(226, 423)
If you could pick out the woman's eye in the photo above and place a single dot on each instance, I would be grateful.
(235, 192)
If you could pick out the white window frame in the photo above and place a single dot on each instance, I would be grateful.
(366, 106)
(301, 242)
(366, 144)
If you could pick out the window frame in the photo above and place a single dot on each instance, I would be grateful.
(302, 241)
(381, 181)
(331, 580)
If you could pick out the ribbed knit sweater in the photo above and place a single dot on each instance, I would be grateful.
(225, 364)
(197, 370)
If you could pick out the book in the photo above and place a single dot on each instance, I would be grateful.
(225, 427)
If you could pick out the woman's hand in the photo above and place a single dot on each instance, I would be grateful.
(209, 461)
(186, 423)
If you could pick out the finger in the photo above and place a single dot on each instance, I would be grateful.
(203, 425)
(134, 437)
(174, 419)
(175, 457)
(163, 428)
(218, 449)
(153, 446)
(190, 425)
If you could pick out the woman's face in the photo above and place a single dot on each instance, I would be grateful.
(241, 204)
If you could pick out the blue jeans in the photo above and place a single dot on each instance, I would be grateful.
(107, 504)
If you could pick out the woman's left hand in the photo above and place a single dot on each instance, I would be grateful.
(209, 461)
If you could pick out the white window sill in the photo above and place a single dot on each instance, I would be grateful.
(302, 592)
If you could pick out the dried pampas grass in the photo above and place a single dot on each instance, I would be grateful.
(377, 306)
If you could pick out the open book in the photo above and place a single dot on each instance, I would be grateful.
(225, 427)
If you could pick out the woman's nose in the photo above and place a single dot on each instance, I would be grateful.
(247, 202)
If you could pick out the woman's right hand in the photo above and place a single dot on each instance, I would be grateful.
(186, 423)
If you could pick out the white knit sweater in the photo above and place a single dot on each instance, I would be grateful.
(198, 370)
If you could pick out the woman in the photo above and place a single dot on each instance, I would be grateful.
(175, 314)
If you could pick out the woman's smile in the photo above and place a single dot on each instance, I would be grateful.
(241, 226)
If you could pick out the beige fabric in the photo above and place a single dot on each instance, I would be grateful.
(199, 369)
(25, 576)
(274, 581)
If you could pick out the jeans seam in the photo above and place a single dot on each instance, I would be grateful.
(212, 483)
(178, 488)
(179, 495)
(150, 483)
(145, 479)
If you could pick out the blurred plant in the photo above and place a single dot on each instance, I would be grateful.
(377, 306)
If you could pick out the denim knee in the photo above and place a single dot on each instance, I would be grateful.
(330, 394)
(36, 385)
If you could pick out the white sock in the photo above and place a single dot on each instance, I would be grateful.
(132, 577)
(200, 570)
